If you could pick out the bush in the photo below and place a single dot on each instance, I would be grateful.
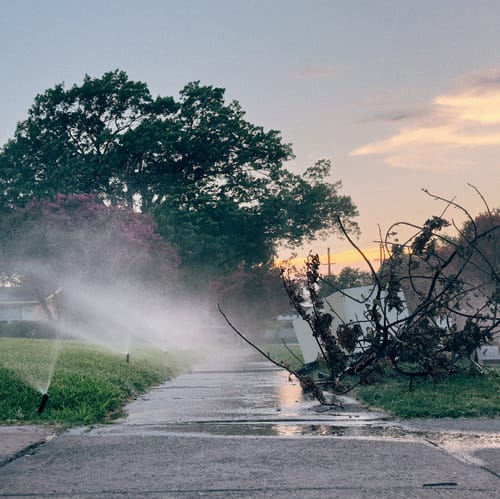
(28, 329)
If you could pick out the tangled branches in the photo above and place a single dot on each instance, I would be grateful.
(435, 301)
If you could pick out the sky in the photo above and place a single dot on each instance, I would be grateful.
(400, 95)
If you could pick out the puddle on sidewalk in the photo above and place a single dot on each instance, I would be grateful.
(280, 429)
(463, 447)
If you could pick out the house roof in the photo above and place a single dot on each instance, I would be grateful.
(20, 294)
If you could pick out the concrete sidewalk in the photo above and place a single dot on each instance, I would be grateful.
(148, 462)
(241, 430)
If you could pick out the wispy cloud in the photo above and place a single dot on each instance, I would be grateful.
(397, 115)
(455, 124)
(317, 72)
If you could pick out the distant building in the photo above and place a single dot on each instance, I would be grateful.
(488, 355)
(26, 304)
(346, 306)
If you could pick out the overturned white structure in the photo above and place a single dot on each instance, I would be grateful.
(488, 355)
(346, 306)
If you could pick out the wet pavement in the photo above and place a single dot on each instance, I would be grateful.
(242, 394)
(238, 427)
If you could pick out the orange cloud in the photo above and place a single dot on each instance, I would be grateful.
(408, 137)
(470, 106)
(463, 120)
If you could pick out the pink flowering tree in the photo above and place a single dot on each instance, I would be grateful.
(76, 236)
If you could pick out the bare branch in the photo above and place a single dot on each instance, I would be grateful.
(304, 380)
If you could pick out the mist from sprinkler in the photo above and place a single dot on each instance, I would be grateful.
(114, 318)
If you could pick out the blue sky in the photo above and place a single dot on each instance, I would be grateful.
(399, 94)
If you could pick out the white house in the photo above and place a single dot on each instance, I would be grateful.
(23, 304)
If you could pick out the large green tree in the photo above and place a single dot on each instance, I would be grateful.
(81, 141)
(216, 183)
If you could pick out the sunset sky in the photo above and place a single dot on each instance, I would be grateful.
(401, 95)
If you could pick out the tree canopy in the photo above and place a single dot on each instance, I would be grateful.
(348, 277)
(216, 184)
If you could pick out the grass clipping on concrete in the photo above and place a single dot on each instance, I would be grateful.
(87, 384)
(463, 394)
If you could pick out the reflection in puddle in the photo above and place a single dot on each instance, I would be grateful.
(296, 430)
(289, 393)
(284, 429)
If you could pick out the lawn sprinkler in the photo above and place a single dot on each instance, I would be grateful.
(127, 357)
(43, 403)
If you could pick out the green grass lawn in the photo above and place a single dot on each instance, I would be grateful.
(87, 385)
(460, 395)
(291, 356)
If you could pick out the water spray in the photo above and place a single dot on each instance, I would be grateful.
(43, 403)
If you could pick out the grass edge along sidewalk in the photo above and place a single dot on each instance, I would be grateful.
(88, 385)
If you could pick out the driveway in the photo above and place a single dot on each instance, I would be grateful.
(237, 427)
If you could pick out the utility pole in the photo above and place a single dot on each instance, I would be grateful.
(381, 252)
(329, 263)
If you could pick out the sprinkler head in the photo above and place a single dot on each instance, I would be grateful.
(43, 403)
(127, 358)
